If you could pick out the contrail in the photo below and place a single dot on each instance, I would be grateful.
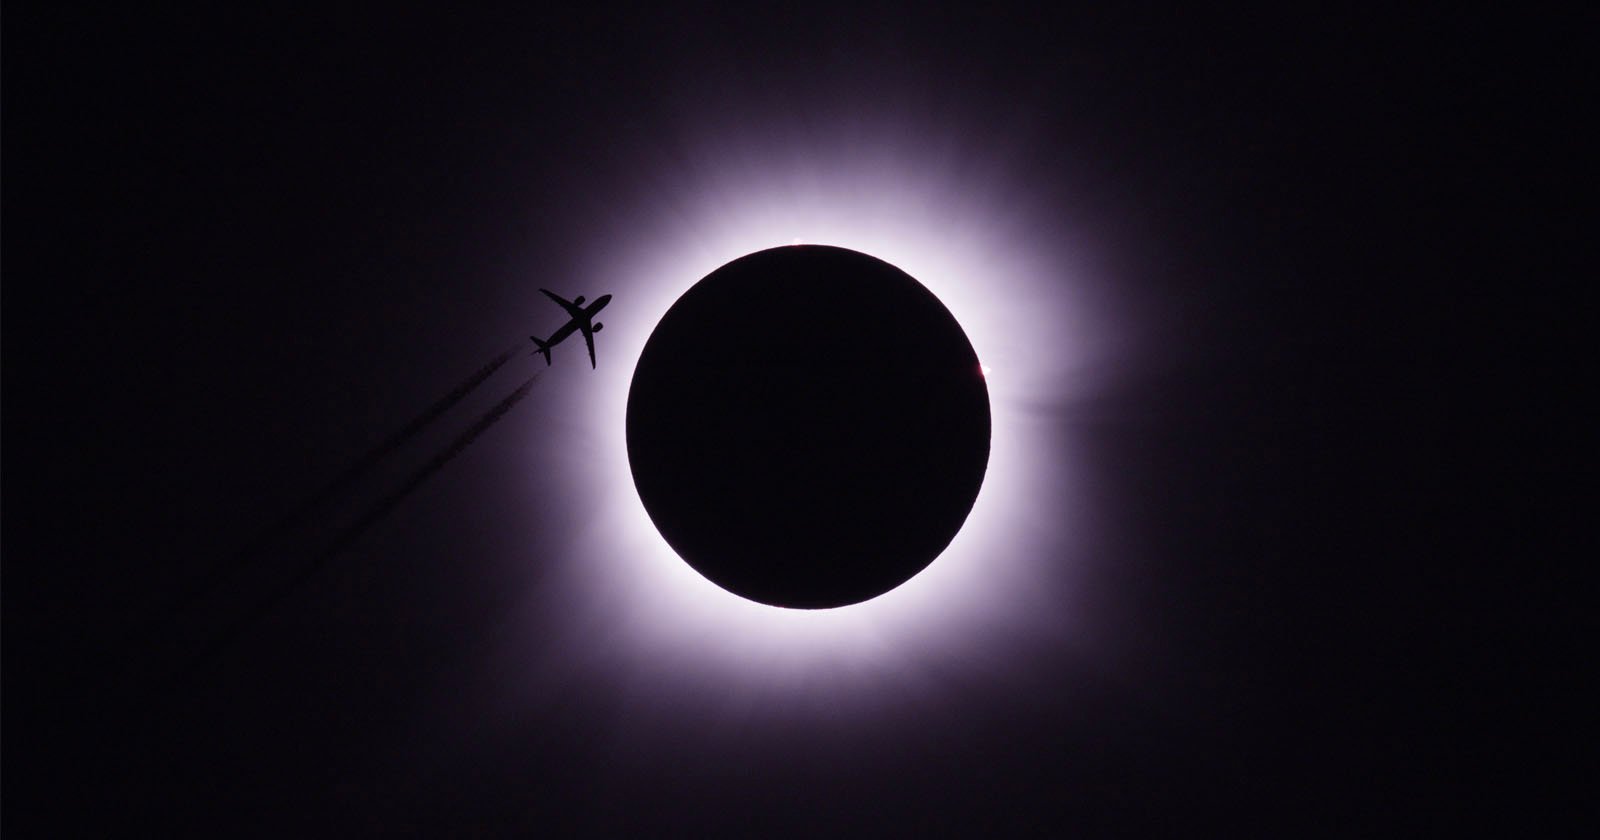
(270, 535)
(377, 513)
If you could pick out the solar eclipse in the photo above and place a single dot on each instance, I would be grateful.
(1030, 300)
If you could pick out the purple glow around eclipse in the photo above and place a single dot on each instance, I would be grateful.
(1003, 259)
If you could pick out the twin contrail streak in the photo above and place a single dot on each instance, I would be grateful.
(357, 469)
(374, 515)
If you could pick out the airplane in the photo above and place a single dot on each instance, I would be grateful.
(582, 318)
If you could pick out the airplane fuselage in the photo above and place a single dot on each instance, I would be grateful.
(574, 324)
(580, 319)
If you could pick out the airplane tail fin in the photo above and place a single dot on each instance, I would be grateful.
(543, 348)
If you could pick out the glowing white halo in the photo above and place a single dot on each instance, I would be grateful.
(1004, 269)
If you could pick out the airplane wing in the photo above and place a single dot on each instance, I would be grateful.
(588, 338)
(573, 309)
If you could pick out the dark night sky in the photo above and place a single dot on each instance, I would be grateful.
(243, 248)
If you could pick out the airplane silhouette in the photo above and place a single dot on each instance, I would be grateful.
(581, 320)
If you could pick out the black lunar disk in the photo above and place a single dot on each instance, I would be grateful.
(808, 427)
